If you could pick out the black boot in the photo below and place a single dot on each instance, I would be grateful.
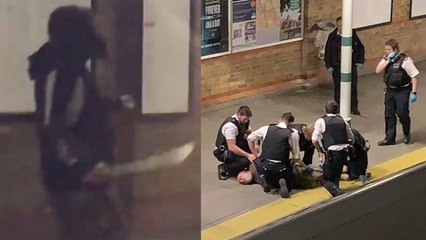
(221, 173)
(385, 142)
(283, 189)
(264, 184)
(333, 189)
(407, 139)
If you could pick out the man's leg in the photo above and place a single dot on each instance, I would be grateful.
(390, 118)
(235, 164)
(354, 92)
(353, 169)
(336, 82)
(331, 171)
(362, 157)
(284, 178)
(403, 112)
(308, 154)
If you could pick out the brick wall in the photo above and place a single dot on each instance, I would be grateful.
(249, 73)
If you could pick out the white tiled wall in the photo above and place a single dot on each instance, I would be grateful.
(23, 26)
(166, 56)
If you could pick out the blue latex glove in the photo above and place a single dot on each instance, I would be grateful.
(363, 178)
(330, 69)
(359, 65)
(392, 55)
(308, 169)
(321, 163)
(413, 97)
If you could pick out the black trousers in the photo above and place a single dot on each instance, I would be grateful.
(232, 163)
(358, 165)
(397, 104)
(275, 171)
(308, 150)
(333, 166)
(354, 87)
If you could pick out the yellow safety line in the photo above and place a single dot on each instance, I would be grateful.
(283, 207)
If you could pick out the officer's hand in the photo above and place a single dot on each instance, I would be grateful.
(359, 65)
(392, 55)
(330, 69)
(308, 169)
(321, 163)
(251, 157)
(413, 97)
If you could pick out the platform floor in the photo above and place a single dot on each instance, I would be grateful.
(226, 200)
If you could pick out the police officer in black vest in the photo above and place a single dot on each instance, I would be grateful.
(231, 144)
(274, 163)
(337, 138)
(357, 166)
(401, 88)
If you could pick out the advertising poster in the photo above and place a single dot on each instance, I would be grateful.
(291, 19)
(243, 23)
(214, 27)
(268, 21)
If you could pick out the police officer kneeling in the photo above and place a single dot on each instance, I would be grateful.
(274, 164)
(231, 144)
(337, 138)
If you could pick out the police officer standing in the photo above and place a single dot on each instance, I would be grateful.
(337, 138)
(231, 145)
(332, 58)
(400, 77)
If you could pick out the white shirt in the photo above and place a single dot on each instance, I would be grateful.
(230, 131)
(319, 129)
(408, 66)
(293, 140)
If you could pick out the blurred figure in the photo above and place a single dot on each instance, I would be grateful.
(75, 127)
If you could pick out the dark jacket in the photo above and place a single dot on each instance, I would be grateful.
(333, 50)
(89, 139)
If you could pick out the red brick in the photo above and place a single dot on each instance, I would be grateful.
(278, 67)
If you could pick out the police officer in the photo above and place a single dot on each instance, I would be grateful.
(400, 77)
(336, 137)
(357, 166)
(305, 135)
(332, 58)
(231, 144)
(274, 161)
(305, 142)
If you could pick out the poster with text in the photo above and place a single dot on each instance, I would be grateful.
(243, 23)
(214, 27)
(291, 19)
